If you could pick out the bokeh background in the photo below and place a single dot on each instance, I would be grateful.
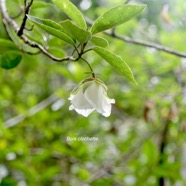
(142, 143)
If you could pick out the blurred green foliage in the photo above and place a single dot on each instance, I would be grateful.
(128, 151)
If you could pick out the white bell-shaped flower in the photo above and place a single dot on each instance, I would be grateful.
(90, 95)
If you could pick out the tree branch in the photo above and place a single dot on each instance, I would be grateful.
(147, 44)
(27, 8)
(32, 111)
(161, 179)
(7, 20)
(141, 43)
(16, 16)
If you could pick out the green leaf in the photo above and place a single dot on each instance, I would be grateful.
(10, 59)
(168, 169)
(150, 151)
(99, 41)
(116, 16)
(52, 28)
(41, 4)
(71, 10)
(116, 61)
(7, 45)
(76, 32)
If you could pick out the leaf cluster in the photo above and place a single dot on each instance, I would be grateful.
(82, 39)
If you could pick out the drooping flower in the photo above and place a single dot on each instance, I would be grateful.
(90, 95)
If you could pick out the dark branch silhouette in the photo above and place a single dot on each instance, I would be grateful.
(8, 21)
(27, 8)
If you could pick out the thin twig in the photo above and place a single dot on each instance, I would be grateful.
(87, 50)
(14, 17)
(159, 47)
(32, 111)
(8, 21)
(75, 50)
(27, 8)
(29, 29)
(141, 43)
(147, 44)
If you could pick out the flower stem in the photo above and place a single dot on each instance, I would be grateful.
(92, 71)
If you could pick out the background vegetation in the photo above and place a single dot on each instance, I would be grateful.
(142, 143)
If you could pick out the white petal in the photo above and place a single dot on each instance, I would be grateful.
(71, 97)
(111, 100)
(80, 104)
(94, 95)
(71, 107)
(106, 101)
(107, 106)
(84, 112)
(91, 95)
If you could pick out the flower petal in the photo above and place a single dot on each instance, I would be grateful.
(80, 104)
(90, 95)
(106, 102)
(94, 95)
(84, 112)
